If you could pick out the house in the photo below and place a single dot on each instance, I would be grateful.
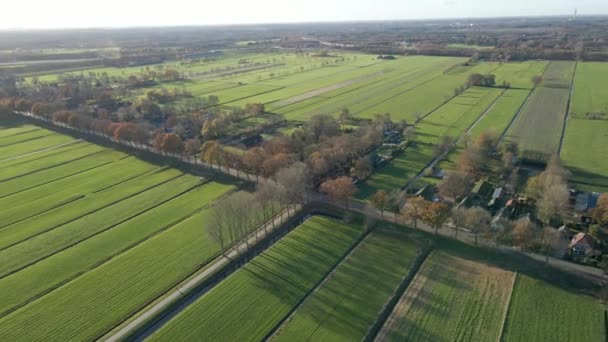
(495, 199)
(582, 244)
(252, 140)
(586, 201)
(481, 192)
(427, 192)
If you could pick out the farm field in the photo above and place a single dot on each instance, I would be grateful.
(585, 142)
(451, 299)
(451, 119)
(248, 304)
(346, 305)
(585, 137)
(538, 128)
(590, 94)
(541, 312)
(88, 224)
(519, 74)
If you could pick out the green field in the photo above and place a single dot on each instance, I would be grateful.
(541, 312)
(451, 299)
(538, 128)
(83, 228)
(590, 93)
(254, 299)
(348, 302)
(583, 150)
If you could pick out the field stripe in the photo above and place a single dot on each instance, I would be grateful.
(42, 246)
(508, 306)
(42, 223)
(66, 266)
(42, 198)
(42, 151)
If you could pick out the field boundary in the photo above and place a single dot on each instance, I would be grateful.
(390, 305)
(568, 109)
(507, 308)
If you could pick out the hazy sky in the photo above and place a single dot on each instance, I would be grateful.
(118, 13)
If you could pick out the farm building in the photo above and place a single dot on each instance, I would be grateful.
(582, 244)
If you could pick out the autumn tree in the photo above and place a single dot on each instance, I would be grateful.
(211, 153)
(435, 215)
(600, 212)
(379, 201)
(253, 160)
(339, 189)
(192, 147)
(414, 209)
(171, 143)
(274, 163)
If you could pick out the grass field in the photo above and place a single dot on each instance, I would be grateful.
(538, 128)
(541, 312)
(590, 93)
(583, 150)
(451, 299)
(82, 228)
(349, 301)
(251, 301)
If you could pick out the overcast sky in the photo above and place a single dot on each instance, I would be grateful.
(120, 13)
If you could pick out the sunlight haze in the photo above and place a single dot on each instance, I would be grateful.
(115, 13)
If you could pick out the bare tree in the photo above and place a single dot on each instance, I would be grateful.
(478, 220)
(454, 184)
(458, 218)
(549, 241)
(266, 196)
(523, 233)
(296, 182)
